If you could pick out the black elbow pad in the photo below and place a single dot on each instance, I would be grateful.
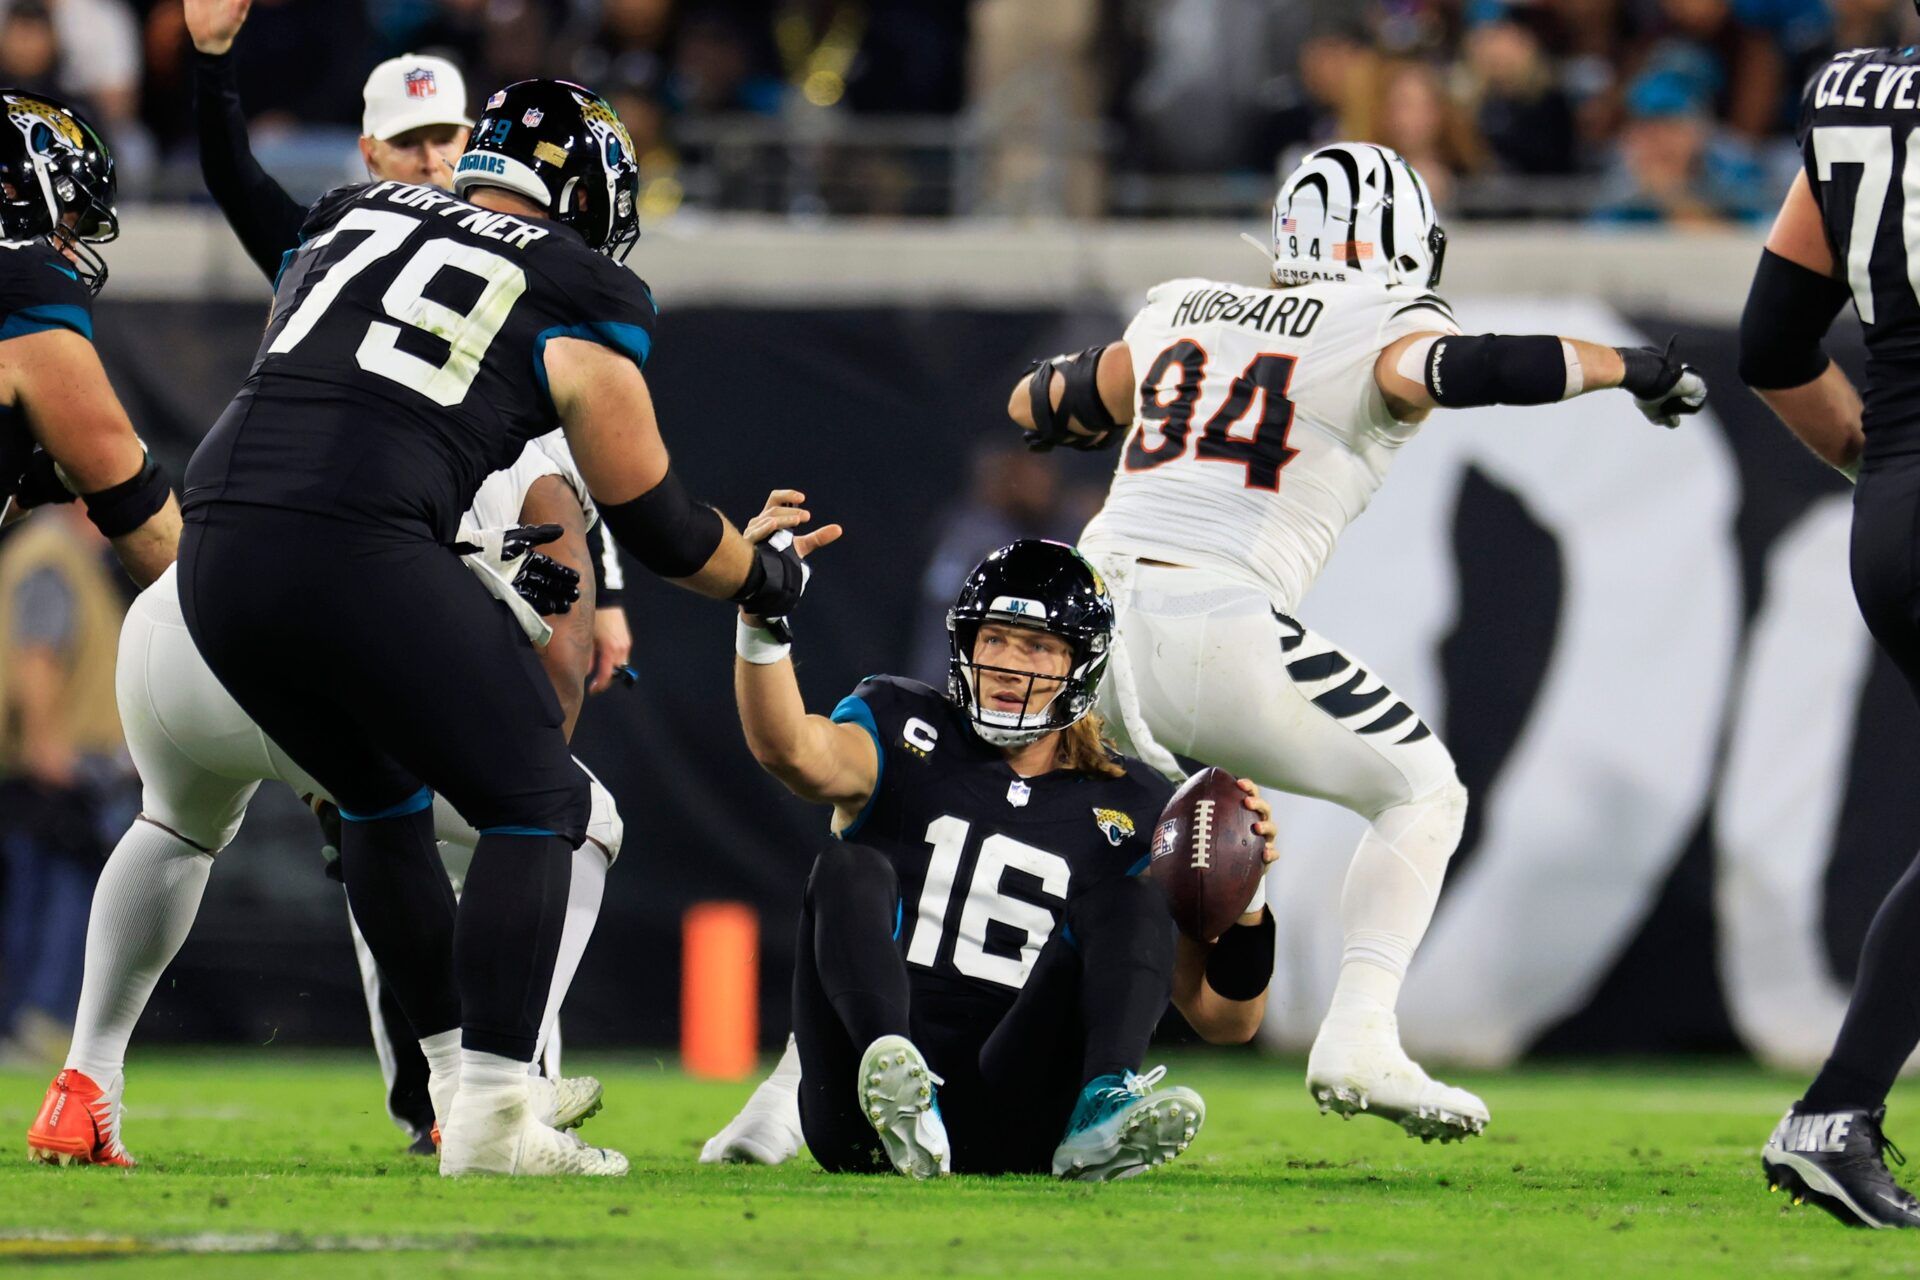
(1789, 309)
(667, 531)
(131, 503)
(1241, 964)
(1496, 368)
(1079, 402)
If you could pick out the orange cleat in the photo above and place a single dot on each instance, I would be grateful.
(79, 1123)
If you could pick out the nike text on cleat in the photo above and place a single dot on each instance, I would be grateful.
(1120, 1127)
(1838, 1160)
(1364, 1071)
(564, 1103)
(896, 1093)
(79, 1123)
(495, 1132)
(767, 1130)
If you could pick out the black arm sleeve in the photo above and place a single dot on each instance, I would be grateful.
(1788, 312)
(1496, 368)
(259, 210)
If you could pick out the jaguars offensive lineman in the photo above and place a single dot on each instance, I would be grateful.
(62, 429)
(1266, 419)
(418, 341)
(979, 970)
(1848, 230)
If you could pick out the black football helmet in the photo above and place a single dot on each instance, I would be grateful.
(54, 164)
(562, 147)
(1048, 586)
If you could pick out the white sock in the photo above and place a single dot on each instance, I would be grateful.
(489, 1073)
(143, 906)
(786, 1073)
(442, 1052)
(1387, 902)
(585, 889)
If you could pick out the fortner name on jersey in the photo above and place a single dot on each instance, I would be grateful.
(1259, 433)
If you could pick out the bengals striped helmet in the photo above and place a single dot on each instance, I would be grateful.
(1355, 210)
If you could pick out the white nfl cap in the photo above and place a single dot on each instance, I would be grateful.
(410, 91)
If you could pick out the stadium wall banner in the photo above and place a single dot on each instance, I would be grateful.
(1691, 772)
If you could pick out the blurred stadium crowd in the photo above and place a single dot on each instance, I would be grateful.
(1619, 110)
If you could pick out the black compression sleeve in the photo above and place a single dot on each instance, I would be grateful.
(259, 210)
(665, 529)
(131, 503)
(1241, 964)
(1788, 312)
(1496, 368)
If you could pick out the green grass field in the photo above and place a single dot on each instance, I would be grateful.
(261, 1162)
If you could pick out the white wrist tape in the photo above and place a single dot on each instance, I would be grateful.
(1576, 374)
(1259, 898)
(757, 645)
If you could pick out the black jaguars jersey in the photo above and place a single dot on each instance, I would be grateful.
(986, 859)
(39, 291)
(404, 360)
(1856, 140)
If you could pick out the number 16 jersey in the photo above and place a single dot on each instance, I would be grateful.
(1259, 433)
(404, 361)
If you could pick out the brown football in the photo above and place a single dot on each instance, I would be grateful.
(1206, 856)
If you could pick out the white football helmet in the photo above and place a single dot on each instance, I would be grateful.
(1352, 209)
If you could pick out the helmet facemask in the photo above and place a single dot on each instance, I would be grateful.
(1072, 693)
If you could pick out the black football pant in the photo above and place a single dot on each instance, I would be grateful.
(1013, 1067)
(379, 663)
(1882, 1025)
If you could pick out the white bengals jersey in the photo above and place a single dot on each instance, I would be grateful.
(1259, 432)
(497, 502)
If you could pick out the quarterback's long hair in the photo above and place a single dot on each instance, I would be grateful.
(1085, 748)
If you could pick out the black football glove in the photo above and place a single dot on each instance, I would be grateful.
(774, 584)
(40, 483)
(543, 582)
(1664, 388)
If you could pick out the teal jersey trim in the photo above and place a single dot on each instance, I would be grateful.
(421, 799)
(52, 316)
(630, 340)
(853, 709)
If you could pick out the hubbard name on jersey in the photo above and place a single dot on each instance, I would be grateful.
(405, 358)
(986, 859)
(38, 291)
(1259, 431)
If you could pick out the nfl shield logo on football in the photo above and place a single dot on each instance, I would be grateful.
(421, 84)
(533, 117)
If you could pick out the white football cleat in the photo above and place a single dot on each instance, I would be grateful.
(895, 1089)
(767, 1130)
(1359, 1068)
(566, 1102)
(495, 1132)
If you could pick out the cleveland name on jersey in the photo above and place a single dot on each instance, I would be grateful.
(39, 291)
(986, 859)
(405, 358)
(1856, 124)
(1259, 432)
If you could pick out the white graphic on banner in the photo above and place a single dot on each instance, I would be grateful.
(1609, 774)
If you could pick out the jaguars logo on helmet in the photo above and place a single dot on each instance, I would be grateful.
(1047, 586)
(1355, 210)
(561, 146)
(56, 181)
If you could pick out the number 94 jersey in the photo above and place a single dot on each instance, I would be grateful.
(986, 859)
(404, 361)
(1259, 433)
(1857, 141)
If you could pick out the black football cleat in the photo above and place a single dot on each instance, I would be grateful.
(1837, 1160)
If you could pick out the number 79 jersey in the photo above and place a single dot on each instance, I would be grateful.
(986, 860)
(1259, 432)
(403, 362)
(1857, 139)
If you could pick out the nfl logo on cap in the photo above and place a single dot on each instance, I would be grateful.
(533, 117)
(420, 83)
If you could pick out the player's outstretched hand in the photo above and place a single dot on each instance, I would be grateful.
(1664, 388)
(1258, 803)
(213, 24)
(783, 511)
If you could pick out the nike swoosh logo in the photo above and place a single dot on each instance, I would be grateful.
(68, 272)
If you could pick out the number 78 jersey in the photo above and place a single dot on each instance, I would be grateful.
(1259, 432)
(403, 363)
